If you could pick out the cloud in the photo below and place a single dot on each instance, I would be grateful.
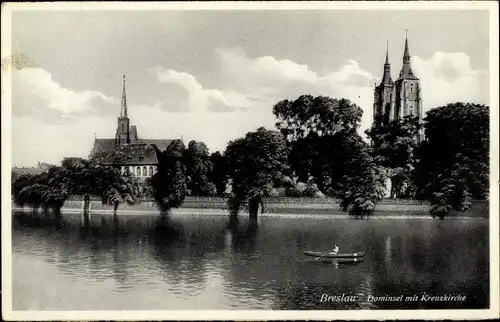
(35, 93)
(264, 70)
(448, 78)
(199, 98)
(267, 80)
(46, 113)
(33, 140)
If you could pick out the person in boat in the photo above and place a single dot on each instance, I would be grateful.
(335, 250)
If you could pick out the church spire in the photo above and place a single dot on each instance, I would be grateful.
(406, 69)
(387, 67)
(123, 112)
(406, 55)
(387, 53)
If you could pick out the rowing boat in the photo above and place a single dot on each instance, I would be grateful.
(352, 260)
(331, 255)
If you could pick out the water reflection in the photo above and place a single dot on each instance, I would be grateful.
(170, 262)
(242, 234)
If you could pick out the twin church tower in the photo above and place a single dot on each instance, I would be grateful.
(400, 98)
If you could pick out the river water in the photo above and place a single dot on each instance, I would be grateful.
(147, 262)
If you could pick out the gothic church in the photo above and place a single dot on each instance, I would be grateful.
(400, 98)
(127, 151)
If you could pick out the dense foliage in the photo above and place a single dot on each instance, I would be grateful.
(393, 147)
(51, 189)
(170, 181)
(453, 161)
(320, 115)
(326, 153)
(362, 183)
(255, 163)
(198, 169)
(219, 175)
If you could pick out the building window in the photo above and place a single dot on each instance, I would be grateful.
(123, 127)
(411, 88)
(138, 171)
(150, 171)
(144, 171)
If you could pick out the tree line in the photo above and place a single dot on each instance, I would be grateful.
(315, 150)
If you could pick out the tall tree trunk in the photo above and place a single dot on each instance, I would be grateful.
(393, 188)
(86, 203)
(57, 211)
(115, 207)
(253, 207)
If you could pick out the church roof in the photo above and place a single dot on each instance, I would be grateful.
(103, 146)
(160, 143)
(133, 154)
(106, 146)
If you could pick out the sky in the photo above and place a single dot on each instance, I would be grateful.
(212, 76)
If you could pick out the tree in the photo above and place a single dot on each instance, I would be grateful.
(32, 196)
(170, 182)
(320, 115)
(453, 162)
(393, 147)
(219, 175)
(361, 184)
(325, 150)
(48, 190)
(198, 168)
(255, 163)
(76, 177)
(19, 182)
(119, 188)
(310, 125)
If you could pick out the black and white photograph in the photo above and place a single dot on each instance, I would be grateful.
(250, 160)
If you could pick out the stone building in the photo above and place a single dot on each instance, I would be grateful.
(126, 150)
(400, 98)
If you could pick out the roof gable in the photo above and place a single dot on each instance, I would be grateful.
(160, 143)
(132, 154)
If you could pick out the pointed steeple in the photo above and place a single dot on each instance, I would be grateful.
(123, 112)
(406, 55)
(406, 71)
(387, 53)
(387, 68)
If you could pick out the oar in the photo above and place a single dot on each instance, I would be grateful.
(321, 256)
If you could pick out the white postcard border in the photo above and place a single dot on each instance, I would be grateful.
(7, 312)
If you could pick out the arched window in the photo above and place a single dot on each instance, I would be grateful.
(411, 88)
(144, 171)
(138, 171)
(150, 171)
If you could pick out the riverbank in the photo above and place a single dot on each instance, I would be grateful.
(281, 207)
